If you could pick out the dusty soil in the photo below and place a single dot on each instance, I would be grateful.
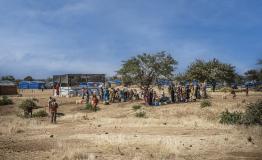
(176, 131)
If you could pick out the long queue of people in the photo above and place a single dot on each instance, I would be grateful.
(112, 95)
(176, 93)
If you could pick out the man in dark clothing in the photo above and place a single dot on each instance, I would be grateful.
(53, 110)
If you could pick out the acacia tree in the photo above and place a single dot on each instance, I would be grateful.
(145, 69)
(28, 78)
(255, 74)
(8, 77)
(212, 71)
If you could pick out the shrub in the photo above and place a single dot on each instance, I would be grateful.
(141, 114)
(35, 99)
(27, 105)
(225, 89)
(136, 107)
(205, 103)
(253, 114)
(5, 101)
(227, 117)
(41, 113)
(89, 107)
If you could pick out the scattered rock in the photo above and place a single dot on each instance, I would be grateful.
(164, 123)
(51, 136)
(99, 125)
(106, 133)
(137, 148)
(250, 139)
(190, 146)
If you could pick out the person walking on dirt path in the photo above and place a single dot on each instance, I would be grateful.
(53, 110)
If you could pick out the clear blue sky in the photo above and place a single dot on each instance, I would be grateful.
(46, 37)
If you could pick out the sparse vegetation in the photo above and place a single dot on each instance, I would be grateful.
(141, 114)
(136, 107)
(5, 101)
(205, 103)
(41, 113)
(225, 89)
(227, 117)
(89, 107)
(27, 106)
(252, 115)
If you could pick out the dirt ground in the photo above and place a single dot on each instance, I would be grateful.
(182, 131)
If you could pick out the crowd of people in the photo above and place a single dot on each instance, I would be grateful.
(176, 93)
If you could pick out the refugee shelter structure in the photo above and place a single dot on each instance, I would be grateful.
(8, 88)
(70, 80)
(31, 85)
(71, 84)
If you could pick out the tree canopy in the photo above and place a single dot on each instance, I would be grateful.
(211, 71)
(8, 77)
(146, 68)
(28, 78)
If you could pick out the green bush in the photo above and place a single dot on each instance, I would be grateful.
(5, 101)
(41, 113)
(253, 114)
(27, 105)
(89, 107)
(35, 99)
(141, 114)
(227, 117)
(136, 107)
(225, 89)
(205, 103)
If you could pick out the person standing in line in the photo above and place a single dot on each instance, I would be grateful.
(87, 95)
(172, 94)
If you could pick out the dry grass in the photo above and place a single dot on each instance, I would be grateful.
(176, 131)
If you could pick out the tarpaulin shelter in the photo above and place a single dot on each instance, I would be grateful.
(31, 84)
